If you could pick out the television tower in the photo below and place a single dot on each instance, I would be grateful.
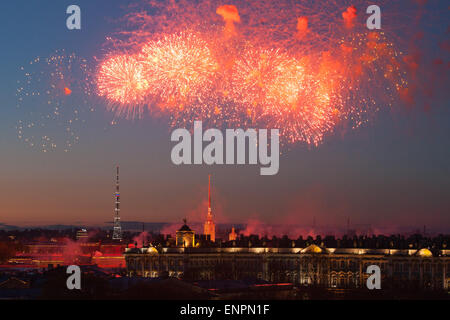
(210, 227)
(117, 233)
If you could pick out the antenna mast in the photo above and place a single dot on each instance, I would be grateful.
(117, 234)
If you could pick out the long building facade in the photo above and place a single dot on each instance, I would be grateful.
(310, 266)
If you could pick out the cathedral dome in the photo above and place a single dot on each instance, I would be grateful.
(185, 228)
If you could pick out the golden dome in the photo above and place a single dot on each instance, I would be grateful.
(312, 249)
(424, 253)
(152, 250)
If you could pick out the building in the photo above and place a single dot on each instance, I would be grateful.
(327, 263)
(313, 265)
(42, 255)
(209, 228)
(232, 236)
(82, 235)
(185, 236)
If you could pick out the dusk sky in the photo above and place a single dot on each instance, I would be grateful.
(392, 172)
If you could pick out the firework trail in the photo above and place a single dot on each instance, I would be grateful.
(53, 98)
(306, 67)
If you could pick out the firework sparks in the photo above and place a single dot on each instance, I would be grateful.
(52, 97)
(285, 94)
(304, 67)
(179, 68)
(122, 81)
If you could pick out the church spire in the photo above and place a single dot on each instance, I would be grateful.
(209, 227)
(209, 195)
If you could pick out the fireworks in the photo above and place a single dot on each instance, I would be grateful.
(52, 97)
(303, 67)
(179, 68)
(278, 90)
(122, 81)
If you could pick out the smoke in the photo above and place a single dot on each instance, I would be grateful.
(412, 62)
(142, 239)
(98, 254)
(428, 78)
(230, 15)
(302, 27)
(93, 233)
(170, 229)
(426, 69)
(71, 252)
(349, 16)
(196, 215)
(257, 227)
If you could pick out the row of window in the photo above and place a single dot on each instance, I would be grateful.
(305, 265)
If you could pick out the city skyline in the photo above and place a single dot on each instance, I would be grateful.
(220, 158)
(391, 173)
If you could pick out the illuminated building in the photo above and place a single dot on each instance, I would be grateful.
(39, 255)
(82, 234)
(185, 237)
(209, 227)
(308, 266)
(232, 236)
